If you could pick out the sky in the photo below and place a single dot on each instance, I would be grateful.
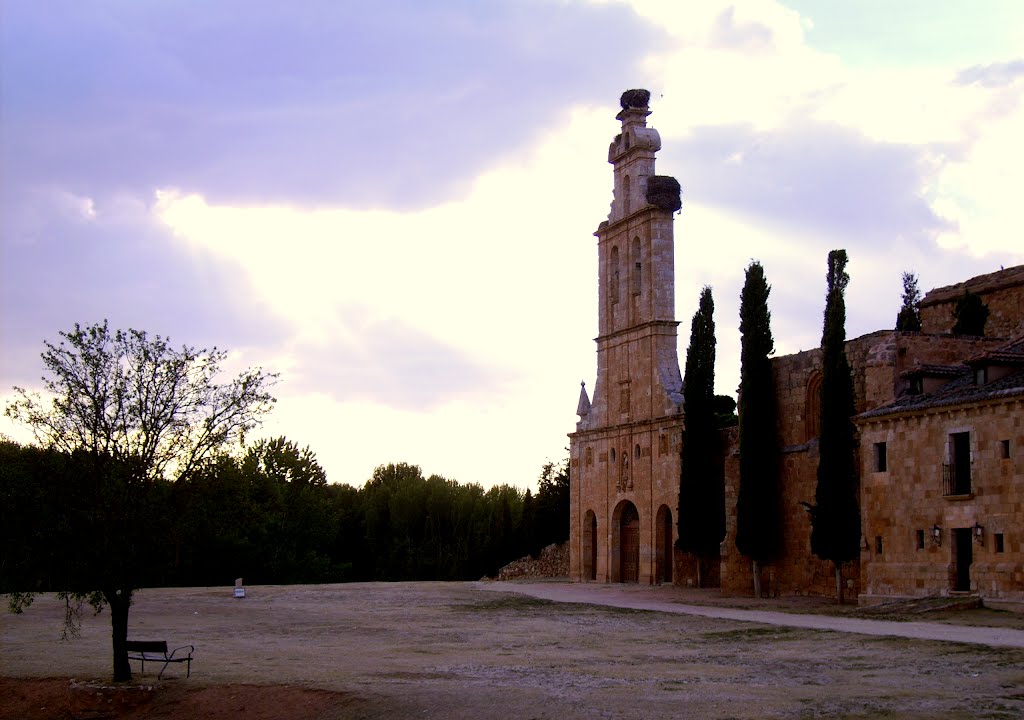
(392, 204)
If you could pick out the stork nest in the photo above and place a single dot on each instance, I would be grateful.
(663, 191)
(635, 99)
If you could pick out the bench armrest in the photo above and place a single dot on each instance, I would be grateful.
(191, 649)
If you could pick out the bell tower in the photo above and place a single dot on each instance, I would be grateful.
(625, 451)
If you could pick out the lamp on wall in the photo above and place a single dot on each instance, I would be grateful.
(979, 533)
(936, 535)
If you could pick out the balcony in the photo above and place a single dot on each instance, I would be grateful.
(956, 480)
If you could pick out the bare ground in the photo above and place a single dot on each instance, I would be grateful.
(477, 650)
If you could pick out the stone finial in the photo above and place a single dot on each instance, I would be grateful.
(583, 408)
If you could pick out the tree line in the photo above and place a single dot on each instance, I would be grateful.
(269, 516)
(132, 482)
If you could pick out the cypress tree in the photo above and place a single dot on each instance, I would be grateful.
(970, 314)
(701, 492)
(835, 518)
(909, 317)
(757, 508)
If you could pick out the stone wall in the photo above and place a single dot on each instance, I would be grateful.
(877, 361)
(1002, 291)
(902, 505)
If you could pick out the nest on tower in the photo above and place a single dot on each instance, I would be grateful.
(663, 191)
(635, 99)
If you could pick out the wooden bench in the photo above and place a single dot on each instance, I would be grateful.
(156, 651)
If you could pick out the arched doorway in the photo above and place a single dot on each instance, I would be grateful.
(589, 549)
(629, 544)
(664, 545)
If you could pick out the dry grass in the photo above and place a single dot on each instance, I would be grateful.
(453, 650)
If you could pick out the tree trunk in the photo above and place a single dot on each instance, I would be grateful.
(839, 582)
(120, 601)
(755, 567)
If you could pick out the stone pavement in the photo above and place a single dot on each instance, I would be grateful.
(660, 600)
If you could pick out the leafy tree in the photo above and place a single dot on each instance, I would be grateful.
(970, 315)
(550, 508)
(909, 317)
(300, 532)
(701, 489)
(835, 517)
(757, 508)
(725, 412)
(134, 413)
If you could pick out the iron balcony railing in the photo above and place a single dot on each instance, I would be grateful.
(956, 480)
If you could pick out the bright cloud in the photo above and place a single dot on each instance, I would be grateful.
(394, 206)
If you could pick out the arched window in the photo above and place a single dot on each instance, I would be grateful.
(613, 275)
(590, 546)
(812, 407)
(636, 266)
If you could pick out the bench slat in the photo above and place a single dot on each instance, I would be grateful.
(158, 646)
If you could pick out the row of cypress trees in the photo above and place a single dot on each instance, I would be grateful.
(835, 516)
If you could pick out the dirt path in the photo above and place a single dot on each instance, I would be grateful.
(662, 600)
(489, 650)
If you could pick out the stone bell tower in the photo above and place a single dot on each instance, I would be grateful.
(625, 452)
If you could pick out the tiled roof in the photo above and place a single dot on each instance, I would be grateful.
(963, 389)
(1009, 354)
(935, 370)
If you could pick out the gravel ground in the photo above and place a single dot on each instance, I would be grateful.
(491, 650)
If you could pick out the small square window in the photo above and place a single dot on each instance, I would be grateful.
(920, 539)
(1004, 449)
(998, 538)
(880, 457)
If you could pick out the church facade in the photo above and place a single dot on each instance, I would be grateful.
(625, 452)
(940, 421)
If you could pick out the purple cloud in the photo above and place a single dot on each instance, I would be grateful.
(993, 75)
(392, 104)
(824, 178)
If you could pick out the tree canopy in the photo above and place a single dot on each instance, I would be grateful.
(970, 315)
(130, 413)
(909, 316)
(758, 520)
(701, 485)
(835, 517)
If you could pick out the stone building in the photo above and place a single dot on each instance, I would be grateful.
(900, 381)
(918, 414)
(625, 453)
(942, 482)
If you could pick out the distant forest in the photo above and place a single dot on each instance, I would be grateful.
(268, 516)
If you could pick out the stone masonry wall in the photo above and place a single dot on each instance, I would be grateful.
(1002, 291)
(876, 360)
(903, 504)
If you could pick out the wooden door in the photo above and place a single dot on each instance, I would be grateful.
(666, 550)
(629, 544)
(963, 556)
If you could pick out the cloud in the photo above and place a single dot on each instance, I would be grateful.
(313, 104)
(992, 75)
(386, 362)
(817, 177)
